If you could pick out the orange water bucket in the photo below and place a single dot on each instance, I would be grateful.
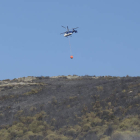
(71, 56)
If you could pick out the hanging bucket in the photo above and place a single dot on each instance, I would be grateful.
(71, 56)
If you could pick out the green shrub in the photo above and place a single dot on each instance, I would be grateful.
(84, 110)
(15, 131)
(96, 121)
(5, 135)
(19, 113)
(71, 132)
(97, 104)
(135, 121)
(124, 91)
(100, 88)
(35, 127)
(78, 128)
(104, 137)
(131, 123)
(73, 98)
(20, 124)
(19, 133)
(86, 127)
(68, 106)
(33, 108)
(125, 124)
(54, 136)
(29, 133)
(53, 121)
(27, 120)
(41, 115)
(33, 91)
(1, 115)
(125, 135)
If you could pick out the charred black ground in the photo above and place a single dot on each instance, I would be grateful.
(70, 108)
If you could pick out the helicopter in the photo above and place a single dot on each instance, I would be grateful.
(68, 32)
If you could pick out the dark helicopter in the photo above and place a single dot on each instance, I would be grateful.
(68, 32)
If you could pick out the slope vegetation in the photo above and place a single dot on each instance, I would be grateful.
(70, 108)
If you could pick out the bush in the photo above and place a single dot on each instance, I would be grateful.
(40, 115)
(71, 132)
(96, 121)
(34, 127)
(29, 133)
(130, 123)
(5, 135)
(15, 131)
(54, 136)
(126, 135)
(86, 127)
(33, 109)
(100, 88)
(78, 128)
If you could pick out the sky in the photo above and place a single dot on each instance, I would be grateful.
(107, 42)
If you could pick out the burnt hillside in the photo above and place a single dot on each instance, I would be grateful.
(70, 108)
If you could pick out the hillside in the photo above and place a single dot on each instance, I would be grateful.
(70, 108)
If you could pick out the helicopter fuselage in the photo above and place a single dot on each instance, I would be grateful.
(67, 34)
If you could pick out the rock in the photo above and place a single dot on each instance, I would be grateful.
(26, 79)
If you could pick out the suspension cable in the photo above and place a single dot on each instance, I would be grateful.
(70, 46)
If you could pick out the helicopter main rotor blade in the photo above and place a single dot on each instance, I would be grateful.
(64, 27)
(67, 28)
(74, 28)
(62, 33)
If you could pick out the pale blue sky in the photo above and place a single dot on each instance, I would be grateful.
(107, 42)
